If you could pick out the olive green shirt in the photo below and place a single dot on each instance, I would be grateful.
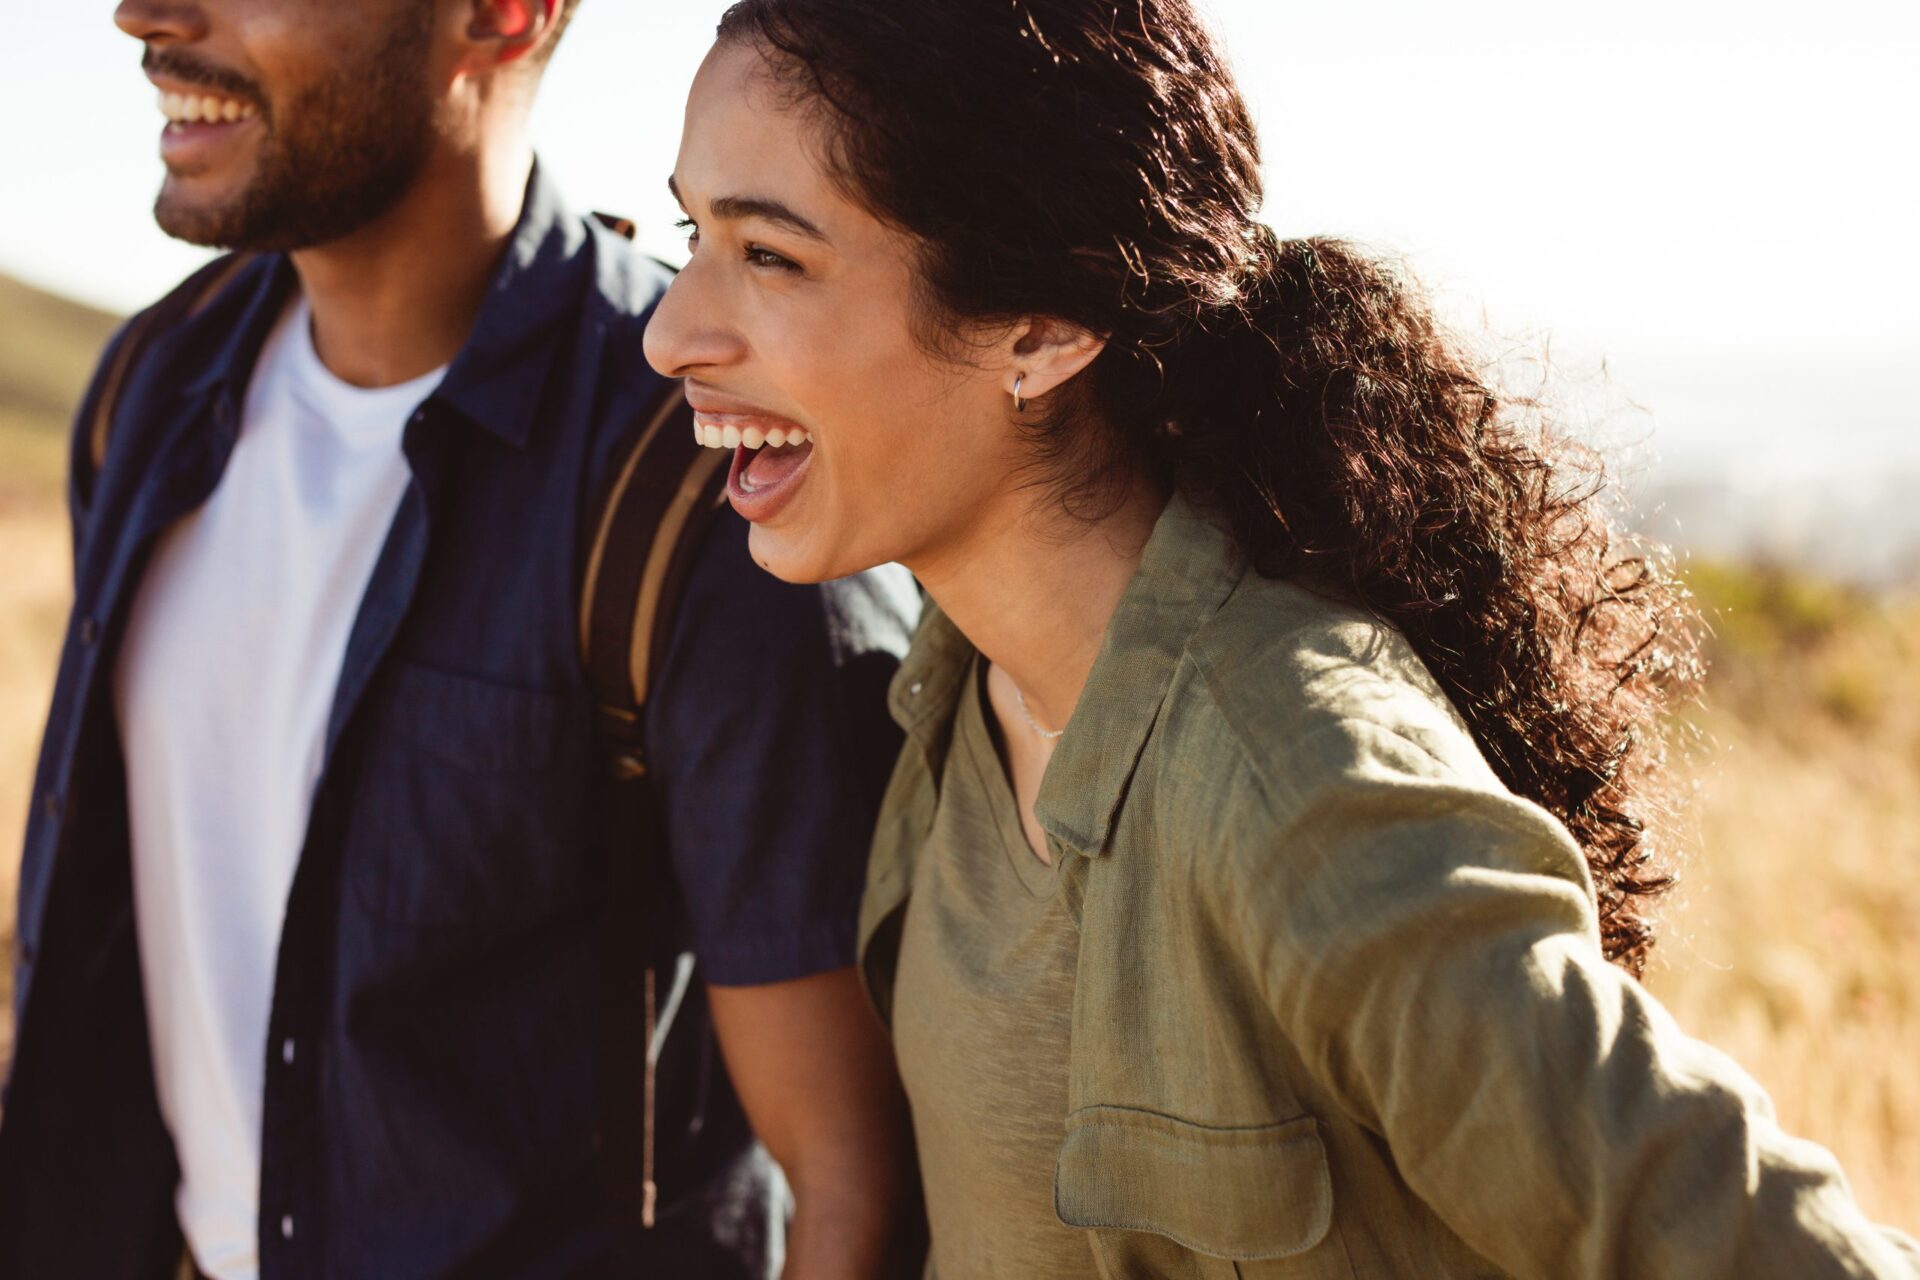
(1340, 1008)
(982, 1023)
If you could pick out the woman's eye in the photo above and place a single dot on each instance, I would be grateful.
(754, 254)
(760, 257)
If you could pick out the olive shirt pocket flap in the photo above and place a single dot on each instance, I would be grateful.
(1248, 1194)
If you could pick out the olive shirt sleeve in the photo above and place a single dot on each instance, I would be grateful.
(1429, 943)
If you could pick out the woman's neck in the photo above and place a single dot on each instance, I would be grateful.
(1033, 588)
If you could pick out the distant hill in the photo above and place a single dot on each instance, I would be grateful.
(50, 346)
(1861, 529)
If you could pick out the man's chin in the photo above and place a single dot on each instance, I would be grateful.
(210, 221)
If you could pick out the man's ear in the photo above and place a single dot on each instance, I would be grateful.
(505, 31)
(1048, 353)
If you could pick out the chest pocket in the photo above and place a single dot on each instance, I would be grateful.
(471, 810)
(1166, 1198)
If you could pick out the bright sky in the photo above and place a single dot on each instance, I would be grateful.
(1719, 199)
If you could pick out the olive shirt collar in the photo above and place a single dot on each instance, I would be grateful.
(1188, 569)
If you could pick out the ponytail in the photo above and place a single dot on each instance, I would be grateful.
(1352, 445)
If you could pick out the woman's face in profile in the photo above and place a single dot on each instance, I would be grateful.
(795, 317)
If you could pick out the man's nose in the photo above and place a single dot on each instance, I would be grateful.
(163, 21)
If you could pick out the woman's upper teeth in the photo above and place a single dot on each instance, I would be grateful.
(730, 436)
(184, 108)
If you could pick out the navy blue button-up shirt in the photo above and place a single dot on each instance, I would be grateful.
(457, 1037)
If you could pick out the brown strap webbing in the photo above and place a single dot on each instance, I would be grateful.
(653, 519)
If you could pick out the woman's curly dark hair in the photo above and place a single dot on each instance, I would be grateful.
(1094, 161)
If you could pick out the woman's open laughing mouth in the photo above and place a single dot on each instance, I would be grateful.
(771, 453)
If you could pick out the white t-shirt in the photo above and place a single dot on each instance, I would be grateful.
(223, 691)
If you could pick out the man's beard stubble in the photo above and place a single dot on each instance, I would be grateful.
(334, 159)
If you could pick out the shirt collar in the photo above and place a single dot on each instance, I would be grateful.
(500, 375)
(242, 314)
(1189, 568)
(926, 687)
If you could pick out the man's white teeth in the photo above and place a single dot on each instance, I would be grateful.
(731, 437)
(183, 108)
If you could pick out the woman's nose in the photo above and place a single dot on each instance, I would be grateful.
(690, 329)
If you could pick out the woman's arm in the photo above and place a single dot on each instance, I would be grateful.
(1430, 946)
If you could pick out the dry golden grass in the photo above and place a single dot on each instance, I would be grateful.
(1793, 942)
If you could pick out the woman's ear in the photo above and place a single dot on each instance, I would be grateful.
(1046, 354)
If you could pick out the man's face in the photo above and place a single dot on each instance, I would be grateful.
(291, 123)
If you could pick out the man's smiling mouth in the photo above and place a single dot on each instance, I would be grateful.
(189, 108)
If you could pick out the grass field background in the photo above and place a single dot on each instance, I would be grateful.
(1793, 942)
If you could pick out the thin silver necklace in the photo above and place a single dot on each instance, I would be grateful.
(1049, 734)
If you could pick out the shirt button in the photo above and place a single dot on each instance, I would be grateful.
(913, 691)
(89, 631)
(286, 1051)
(286, 1226)
(51, 803)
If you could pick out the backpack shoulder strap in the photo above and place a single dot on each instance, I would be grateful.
(651, 521)
(187, 300)
(652, 516)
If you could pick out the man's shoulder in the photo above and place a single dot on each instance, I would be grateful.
(626, 283)
(168, 344)
(738, 604)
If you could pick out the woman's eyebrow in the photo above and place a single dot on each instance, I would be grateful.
(734, 208)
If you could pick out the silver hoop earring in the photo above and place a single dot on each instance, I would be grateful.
(1019, 405)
